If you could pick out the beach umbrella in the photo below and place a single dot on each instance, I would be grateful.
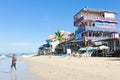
(82, 49)
(103, 47)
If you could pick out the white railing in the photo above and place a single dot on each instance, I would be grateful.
(96, 38)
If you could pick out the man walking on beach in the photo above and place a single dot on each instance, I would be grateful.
(14, 59)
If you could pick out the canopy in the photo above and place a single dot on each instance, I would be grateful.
(82, 49)
(103, 47)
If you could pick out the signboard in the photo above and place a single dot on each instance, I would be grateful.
(68, 51)
(115, 35)
(109, 15)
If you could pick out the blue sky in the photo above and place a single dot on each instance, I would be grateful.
(25, 24)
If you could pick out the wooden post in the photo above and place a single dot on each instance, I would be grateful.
(85, 43)
(119, 43)
(114, 45)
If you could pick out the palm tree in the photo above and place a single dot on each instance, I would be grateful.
(59, 36)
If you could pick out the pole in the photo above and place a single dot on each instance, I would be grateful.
(85, 43)
(119, 43)
(50, 48)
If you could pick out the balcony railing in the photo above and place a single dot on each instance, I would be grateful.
(104, 29)
(96, 38)
(101, 19)
(97, 19)
(97, 28)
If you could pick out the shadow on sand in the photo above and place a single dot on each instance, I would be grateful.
(114, 59)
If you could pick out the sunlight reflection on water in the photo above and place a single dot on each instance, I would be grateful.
(21, 73)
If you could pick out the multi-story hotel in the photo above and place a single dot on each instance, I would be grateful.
(97, 26)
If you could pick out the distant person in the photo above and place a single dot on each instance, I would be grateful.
(13, 65)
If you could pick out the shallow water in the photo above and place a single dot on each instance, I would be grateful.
(21, 73)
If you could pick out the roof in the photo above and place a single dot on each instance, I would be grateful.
(94, 10)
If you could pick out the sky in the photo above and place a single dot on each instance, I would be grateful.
(26, 24)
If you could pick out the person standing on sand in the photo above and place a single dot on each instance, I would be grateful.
(14, 59)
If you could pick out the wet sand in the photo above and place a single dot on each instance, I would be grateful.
(70, 68)
(22, 72)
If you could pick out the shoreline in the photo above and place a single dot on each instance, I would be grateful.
(72, 68)
(22, 72)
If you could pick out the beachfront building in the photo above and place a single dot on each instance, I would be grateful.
(61, 46)
(54, 46)
(98, 27)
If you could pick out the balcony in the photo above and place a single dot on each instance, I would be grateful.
(96, 38)
(97, 28)
(97, 19)
(104, 29)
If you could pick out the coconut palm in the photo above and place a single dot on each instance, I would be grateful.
(59, 36)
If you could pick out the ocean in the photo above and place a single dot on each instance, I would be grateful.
(22, 72)
(2, 56)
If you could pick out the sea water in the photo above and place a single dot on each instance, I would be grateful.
(22, 72)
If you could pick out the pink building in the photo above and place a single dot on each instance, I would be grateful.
(97, 25)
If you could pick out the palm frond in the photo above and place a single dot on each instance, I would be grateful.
(59, 36)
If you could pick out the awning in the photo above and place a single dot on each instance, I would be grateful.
(103, 47)
(98, 43)
(77, 40)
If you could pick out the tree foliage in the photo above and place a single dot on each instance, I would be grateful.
(59, 36)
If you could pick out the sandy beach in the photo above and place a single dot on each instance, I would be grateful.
(70, 68)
